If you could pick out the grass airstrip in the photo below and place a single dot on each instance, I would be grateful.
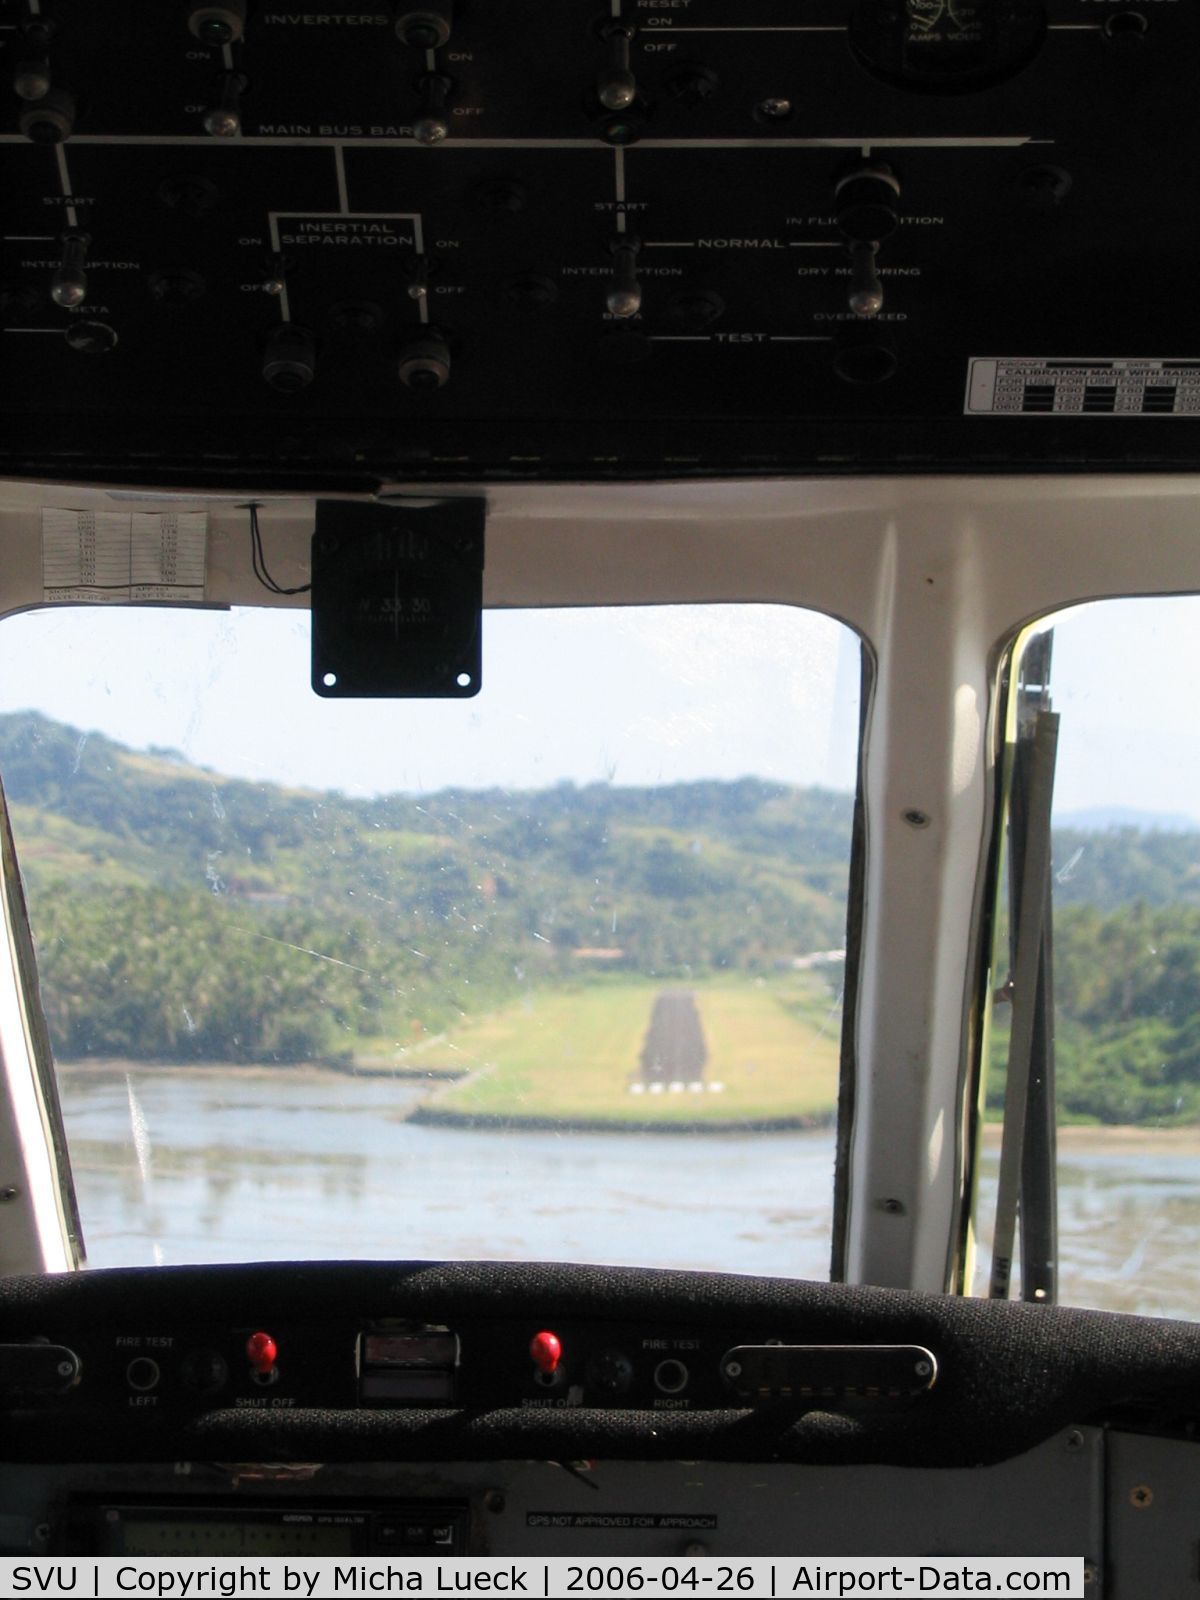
(573, 1057)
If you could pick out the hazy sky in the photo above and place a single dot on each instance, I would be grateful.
(1125, 679)
(640, 695)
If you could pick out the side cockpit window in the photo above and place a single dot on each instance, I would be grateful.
(1096, 978)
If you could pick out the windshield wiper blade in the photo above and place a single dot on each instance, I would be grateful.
(1039, 1162)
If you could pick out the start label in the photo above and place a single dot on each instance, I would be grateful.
(1045, 386)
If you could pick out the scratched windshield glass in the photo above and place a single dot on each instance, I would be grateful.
(555, 973)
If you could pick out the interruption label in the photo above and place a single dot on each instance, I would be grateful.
(316, 1578)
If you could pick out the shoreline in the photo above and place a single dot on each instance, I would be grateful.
(434, 1116)
(1110, 1137)
(374, 1070)
(1081, 1138)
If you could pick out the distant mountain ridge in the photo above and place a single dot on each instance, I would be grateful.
(183, 915)
(163, 817)
(377, 916)
(1096, 819)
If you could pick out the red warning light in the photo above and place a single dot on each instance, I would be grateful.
(546, 1351)
(261, 1352)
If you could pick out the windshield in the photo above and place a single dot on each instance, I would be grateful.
(1123, 1006)
(554, 973)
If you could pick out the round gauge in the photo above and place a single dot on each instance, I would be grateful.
(942, 46)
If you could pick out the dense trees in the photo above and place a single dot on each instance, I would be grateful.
(181, 915)
(1127, 985)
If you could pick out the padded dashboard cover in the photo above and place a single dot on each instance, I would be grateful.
(1010, 1374)
(922, 239)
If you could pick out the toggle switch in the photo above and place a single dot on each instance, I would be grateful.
(615, 84)
(275, 279)
(262, 1353)
(223, 119)
(215, 24)
(69, 285)
(866, 202)
(426, 27)
(32, 80)
(624, 296)
(418, 282)
(866, 291)
(432, 123)
(545, 1351)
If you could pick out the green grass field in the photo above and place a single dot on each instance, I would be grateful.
(572, 1054)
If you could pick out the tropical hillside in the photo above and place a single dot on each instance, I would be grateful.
(184, 916)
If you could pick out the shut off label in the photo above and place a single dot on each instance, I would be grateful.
(1044, 386)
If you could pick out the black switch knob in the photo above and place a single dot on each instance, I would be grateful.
(88, 338)
(37, 1369)
(867, 209)
(50, 120)
(175, 286)
(611, 1372)
(20, 306)
(204, 1371)
(616, 84)
(38, 29)
(432, 123)
(217, 24)
(425, 360)
(426, 27)
(290, 359)
(624, 296)
(223, 119)
(69, 285)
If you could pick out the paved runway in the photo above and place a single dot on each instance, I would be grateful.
(674, 1050)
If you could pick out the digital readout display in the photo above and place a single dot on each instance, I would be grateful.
(196, 1535)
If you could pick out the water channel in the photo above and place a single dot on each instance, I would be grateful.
(210, 1164)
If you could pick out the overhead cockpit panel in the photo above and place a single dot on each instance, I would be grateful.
(247, 242)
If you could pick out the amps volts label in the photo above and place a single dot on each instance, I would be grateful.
(1047, 386)
(682, 1521)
